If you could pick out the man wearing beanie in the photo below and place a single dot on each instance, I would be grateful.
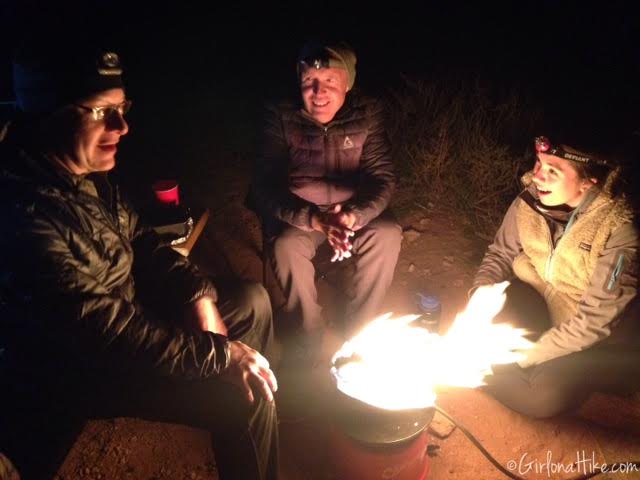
(324, 173)
(97, 319)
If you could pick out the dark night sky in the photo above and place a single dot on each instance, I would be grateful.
(243, 42)
(538, 45)
(193, 70)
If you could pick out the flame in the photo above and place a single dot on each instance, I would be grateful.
(394, 364)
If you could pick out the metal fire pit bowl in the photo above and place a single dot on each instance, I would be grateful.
(373, 425)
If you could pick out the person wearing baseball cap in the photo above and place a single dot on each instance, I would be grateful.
(97, 317)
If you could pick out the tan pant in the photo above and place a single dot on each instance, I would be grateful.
(375, 247)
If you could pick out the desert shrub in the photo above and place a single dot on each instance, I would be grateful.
(460, 146)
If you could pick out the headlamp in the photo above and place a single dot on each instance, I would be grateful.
(544, 145)
(317, 62)
(109, 64)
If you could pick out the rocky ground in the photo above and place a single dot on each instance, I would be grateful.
(439, 255)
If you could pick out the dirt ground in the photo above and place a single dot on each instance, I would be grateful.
(438, 256)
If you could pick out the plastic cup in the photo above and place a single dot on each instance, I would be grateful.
(166, 192)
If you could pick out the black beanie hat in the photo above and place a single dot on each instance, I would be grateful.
(52, 78)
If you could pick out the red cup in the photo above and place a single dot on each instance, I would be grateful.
(167, 192)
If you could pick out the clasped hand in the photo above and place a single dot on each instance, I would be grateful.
(337, 225)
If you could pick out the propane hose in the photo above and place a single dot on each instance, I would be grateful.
(506, 472)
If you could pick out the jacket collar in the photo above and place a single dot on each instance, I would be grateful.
(32, 167)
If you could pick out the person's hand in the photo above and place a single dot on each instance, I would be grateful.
(250, 372)
(488, 298)
(337, 226)
(205, 316)
(347, 219)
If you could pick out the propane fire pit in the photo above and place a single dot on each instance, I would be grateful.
(384, 395)
(366, 441)
(373, 425)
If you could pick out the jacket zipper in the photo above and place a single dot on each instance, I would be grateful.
(109, 214)
(326, 158)
(549, 266)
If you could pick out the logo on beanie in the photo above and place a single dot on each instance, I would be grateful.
(109, 64)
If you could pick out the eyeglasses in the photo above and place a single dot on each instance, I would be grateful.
(544, 145)
(108, 111)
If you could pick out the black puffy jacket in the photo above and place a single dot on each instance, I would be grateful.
(303, 164)
(70, 264)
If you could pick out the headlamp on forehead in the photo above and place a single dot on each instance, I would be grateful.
(316, 63)
(108, 63)
(544, 145)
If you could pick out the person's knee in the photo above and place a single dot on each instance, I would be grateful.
(255, 293)
(547, 401)
(255, 296)
(288, 245)
(542, 396)
(386, 233)
(392, 233)
(551, 402)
